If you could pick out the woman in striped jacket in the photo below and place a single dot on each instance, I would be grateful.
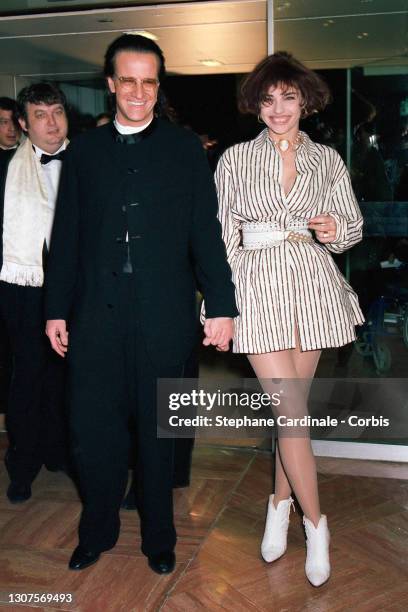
(274, 191)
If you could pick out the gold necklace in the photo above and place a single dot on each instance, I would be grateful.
(284, 144)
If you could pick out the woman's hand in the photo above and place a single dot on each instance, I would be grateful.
(325, 228)
(219, 332)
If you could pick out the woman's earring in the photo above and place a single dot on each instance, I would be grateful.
(259, 119)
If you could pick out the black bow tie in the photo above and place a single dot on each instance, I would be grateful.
(45, 159)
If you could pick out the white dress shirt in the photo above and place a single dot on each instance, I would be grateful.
(52, 172)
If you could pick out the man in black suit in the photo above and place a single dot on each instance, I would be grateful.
(29, 179)
(9, 128)
(9, 137)
(135, 222)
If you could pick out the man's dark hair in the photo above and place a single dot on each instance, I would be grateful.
(137, 44)
(39, 93)
(8, 104)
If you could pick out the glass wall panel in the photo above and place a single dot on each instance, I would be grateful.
(379, 171)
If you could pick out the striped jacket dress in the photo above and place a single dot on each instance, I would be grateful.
(293, 285)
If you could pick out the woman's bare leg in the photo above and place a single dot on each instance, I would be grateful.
(283, 488)
(295, 464)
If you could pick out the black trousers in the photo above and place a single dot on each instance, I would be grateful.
(183, 447)
(35, 417)
(112, 380)
(5, 365)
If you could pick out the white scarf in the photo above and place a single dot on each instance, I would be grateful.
(28, 218)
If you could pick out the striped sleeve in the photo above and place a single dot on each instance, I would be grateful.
(226, 197)
(345, 210)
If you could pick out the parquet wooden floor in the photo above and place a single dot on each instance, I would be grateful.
(220, 520)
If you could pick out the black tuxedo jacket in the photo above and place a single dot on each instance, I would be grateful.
(161, 191)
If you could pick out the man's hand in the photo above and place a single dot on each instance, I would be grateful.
(218, 332)
(325, 227)
(56, 330)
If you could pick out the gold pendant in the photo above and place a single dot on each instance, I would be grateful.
(283, 145)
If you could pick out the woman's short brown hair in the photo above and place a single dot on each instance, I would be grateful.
(282, 69)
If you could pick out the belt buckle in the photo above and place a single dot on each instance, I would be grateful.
(298, 237)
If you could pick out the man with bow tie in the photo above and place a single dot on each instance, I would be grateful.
(28, 191)
(136, 223)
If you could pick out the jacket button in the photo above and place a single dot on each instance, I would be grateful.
(133, 170)
(114, 273)
(110, 306)
(123, 208)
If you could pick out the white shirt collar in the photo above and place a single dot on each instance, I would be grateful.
(127, 129)
(39, 151)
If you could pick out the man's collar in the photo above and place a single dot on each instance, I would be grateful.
(136, 137)
(130, 129)
(40, 152)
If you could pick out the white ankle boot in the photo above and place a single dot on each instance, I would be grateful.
(317, 565)
(276, 529)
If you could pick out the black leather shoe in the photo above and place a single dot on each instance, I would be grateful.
(82, 558)
(163, 563)
(18, 493)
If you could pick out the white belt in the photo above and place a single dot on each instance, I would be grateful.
(265, 235)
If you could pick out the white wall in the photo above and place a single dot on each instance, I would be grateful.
(85, 99)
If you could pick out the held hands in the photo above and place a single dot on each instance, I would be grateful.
(218, 332)
(325, 228)
(56, 330)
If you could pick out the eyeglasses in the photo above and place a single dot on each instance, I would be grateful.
(128, 83)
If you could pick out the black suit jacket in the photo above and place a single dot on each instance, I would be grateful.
(162, 192)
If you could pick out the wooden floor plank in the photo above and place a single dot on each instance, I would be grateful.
(220, 521)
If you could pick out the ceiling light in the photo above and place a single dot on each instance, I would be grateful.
(362, 35)
(144, 33)
(105, 20)
(282, 6)
(211, 63)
